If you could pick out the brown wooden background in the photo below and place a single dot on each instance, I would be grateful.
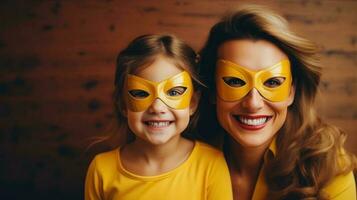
(56, 76)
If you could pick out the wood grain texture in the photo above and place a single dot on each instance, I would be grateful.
(57, 62)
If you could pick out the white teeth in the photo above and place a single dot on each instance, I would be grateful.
(253, 122)
(158, 124)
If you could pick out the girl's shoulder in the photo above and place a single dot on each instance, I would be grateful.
(209, 160)
(207, 147)
(106, 160)
(107, 155)
(204, 150)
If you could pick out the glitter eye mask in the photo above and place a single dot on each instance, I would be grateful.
(175, 92)
(234, 81)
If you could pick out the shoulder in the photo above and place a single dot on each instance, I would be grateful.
(207, 150)
(106, 161)
(108, 155)
(212, 163)
(208, 154)
(342, 187)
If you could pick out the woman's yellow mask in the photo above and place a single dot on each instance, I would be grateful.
(175, 92)
(233, 81)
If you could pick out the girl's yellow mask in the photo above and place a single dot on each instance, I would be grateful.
(141, 92)
(233, 81)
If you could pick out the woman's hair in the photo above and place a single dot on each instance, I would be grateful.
(141, 52)
(309, 152)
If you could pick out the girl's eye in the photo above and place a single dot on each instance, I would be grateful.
(274, 82)
(234, 81)
(139, 94)
(176, 91)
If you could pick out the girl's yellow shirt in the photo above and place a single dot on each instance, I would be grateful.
(203, 176)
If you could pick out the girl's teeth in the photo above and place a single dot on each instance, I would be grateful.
(158, 124)
(253, 122)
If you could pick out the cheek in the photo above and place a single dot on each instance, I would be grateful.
(134, 120)
(224, 108)
(280, 110)
(224, 111)
(182, 117)
(279, 107)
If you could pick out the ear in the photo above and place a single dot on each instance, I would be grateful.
(194, 102)
(291, 96)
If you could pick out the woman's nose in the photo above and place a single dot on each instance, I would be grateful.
(253, 101)
(158, 106)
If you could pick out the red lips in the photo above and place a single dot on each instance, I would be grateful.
(252, 122)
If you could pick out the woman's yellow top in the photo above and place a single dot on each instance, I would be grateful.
(342, 187)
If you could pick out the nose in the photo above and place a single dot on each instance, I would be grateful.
(158, 106)
(253, 101)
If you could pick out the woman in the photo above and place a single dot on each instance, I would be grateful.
(265, 79)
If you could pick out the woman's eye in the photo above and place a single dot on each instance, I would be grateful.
(140, 94)
(274, 82)
(176, 91)
(233, 81)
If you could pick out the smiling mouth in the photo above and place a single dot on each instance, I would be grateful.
(253, 121)
(158, 124)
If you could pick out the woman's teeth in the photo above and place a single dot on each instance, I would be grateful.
(158, 124)
(253, 122)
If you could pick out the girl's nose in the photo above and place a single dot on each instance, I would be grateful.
(158, 106)
(253, 101)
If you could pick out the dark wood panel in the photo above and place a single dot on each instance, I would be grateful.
(57, 61)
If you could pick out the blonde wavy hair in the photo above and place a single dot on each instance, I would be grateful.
(309, 151)
(141, 52)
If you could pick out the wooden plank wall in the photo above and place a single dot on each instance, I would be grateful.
(57, 64)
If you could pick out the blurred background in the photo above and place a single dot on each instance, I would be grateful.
(57, 62)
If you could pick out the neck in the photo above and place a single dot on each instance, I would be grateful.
(245, 160)
(156, 153)
(143, 158)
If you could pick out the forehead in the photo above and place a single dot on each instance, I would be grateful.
(160, 69)
(252, 54)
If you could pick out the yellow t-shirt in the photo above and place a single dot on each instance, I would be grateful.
(203, 176)
(342, 187)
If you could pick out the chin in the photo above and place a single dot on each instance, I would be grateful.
(251, 139)
(252, 143)
(159, 139)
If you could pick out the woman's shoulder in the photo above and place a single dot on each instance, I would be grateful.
(342, 187)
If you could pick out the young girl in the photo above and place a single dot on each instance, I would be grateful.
(155, 98)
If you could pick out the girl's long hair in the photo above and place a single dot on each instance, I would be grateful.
(141, 52)
(309, 151)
